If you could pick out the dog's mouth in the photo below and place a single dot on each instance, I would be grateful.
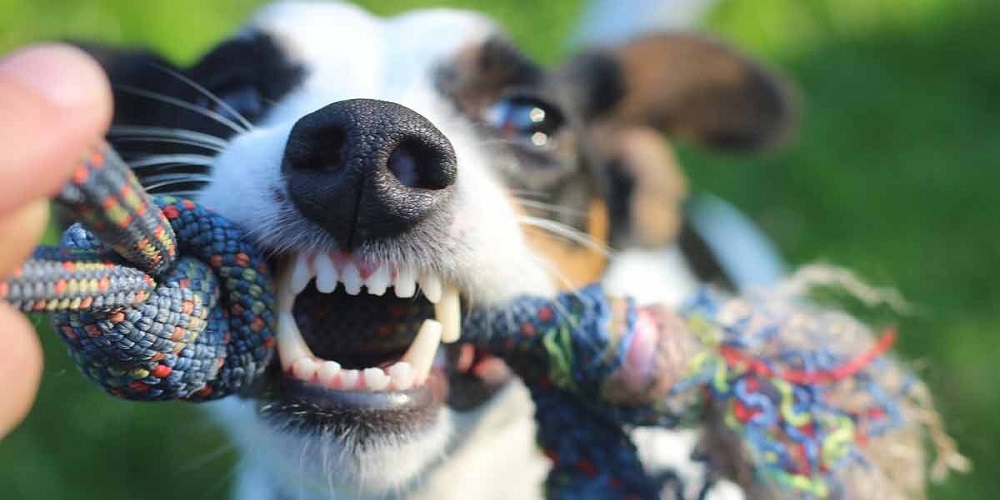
(361, 340)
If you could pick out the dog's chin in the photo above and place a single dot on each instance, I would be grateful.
(362, 397)
(371, 444)
(351, 452)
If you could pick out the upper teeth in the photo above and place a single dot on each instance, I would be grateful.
(295, 273)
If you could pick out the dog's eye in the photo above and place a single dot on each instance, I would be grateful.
(244, 100)
(525, 119)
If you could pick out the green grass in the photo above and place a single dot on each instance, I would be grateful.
(894, 175)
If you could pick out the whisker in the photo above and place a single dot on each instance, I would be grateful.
(205, 92)
(172, 140)
(178, 159)
(518, 193)
(185, 193)
(162, 185)
(562, 230)
(235, 127)
(178, 177)
(179, 133)
(541, 205)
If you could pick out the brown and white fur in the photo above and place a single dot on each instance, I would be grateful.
(529, 212)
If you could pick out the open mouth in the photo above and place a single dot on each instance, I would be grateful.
(361, 336)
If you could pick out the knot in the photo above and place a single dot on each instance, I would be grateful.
(204, 329)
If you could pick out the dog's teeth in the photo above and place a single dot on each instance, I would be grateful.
(375, 379)
(401, 374)
(421, 353)
(328, 373)
(441, 359)
(326, 274)
(406, 284)
(286, 297)
(431, 286)
(379, 281)
(305, 368)
(291, 346)
(301, 274)
(351, 279)
(448, 312)
(350, 379)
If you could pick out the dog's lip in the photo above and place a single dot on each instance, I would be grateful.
(431, 394)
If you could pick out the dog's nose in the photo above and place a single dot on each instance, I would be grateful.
(366, 170)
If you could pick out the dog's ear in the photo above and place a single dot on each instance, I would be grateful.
(135, 69)
(687, 86)
(681, 85)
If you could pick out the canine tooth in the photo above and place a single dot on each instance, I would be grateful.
(440, 359)
(375, 379)
(349, 379)
(328, 373)
(305, 368)
(301, 274)
(401, 374)
(326, 274)
(406, 282)
(448, 312)
(431, 286)
(351, 279)
(379, 281)
(291, 346)
(421, 353)
(286, 297)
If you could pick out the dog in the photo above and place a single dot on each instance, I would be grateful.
(401, 171)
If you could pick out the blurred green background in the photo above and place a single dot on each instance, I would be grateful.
(894, 175)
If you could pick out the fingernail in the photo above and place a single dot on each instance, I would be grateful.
(51, 70)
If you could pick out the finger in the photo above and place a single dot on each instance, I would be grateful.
(20, 231)
(56, 101)
(20, 367)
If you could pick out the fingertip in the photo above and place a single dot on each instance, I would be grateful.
(65, 76)
(57, 103)
(20, 368)
(20, 231)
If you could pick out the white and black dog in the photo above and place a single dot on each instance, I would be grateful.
(405, 168)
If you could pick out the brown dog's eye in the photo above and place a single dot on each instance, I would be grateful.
(525, 120)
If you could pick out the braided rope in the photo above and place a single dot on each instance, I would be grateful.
(161, 299)
(804, 390)
(139, 321)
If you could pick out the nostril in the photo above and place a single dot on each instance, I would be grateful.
(366, 170)
(417, 166)
(323, 149)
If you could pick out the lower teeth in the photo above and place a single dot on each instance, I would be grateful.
(413, 369)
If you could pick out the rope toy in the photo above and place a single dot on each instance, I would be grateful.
(161, 299)
(158, 298)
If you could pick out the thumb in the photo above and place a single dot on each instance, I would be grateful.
(56, 101)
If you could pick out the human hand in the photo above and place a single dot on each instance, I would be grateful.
(54, 102)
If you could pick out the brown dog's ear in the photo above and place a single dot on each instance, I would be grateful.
(686, 86)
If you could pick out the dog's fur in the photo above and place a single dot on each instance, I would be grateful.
(530, 215)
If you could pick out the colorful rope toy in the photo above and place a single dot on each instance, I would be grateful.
(160, 299)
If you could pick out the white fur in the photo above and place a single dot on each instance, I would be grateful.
(496, 445)
(348, 54)
(488, 453)
(651, 276)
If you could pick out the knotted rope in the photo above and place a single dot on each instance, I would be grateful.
(161, 299)
(158, 298)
